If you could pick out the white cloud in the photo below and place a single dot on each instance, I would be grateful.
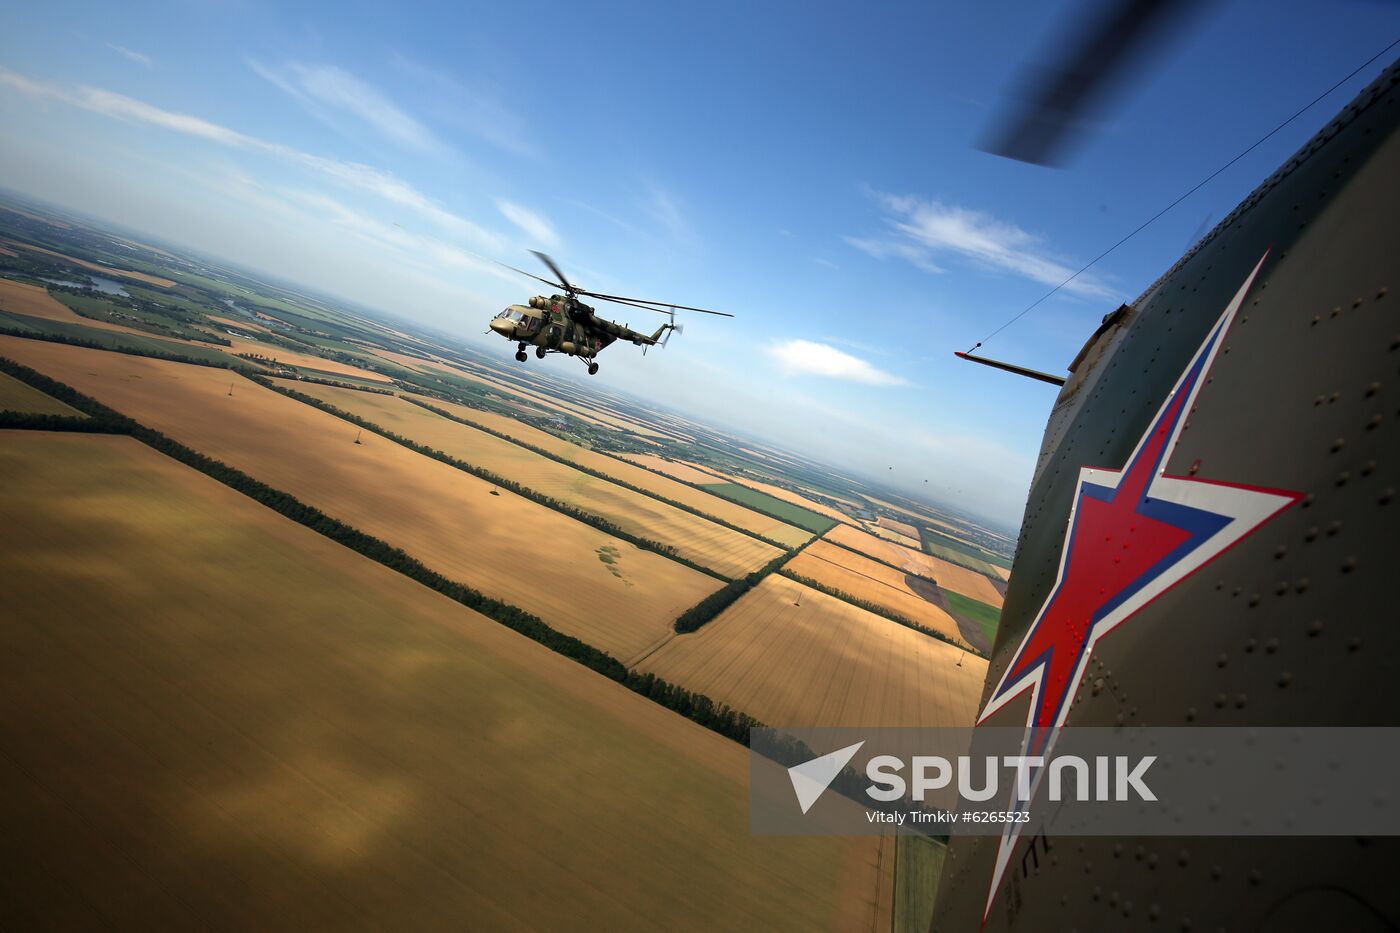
(807, 358)
(664, 210)
(351, 174)
(531, 224)
(922, 230)
(475, 108)
(139, 58)
(326, 86)
(883, 249)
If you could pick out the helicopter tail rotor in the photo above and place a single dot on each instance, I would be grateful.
(672, 328)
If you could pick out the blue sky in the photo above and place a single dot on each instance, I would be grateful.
(809, 167)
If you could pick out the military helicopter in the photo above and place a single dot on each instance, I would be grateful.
(563, 324)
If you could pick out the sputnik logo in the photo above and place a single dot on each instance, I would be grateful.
(1133, 534)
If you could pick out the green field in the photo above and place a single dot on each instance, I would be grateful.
(986, 617)
(99, 308)
(24, 325)
(961, 553)
(918, 863)
(770, 505)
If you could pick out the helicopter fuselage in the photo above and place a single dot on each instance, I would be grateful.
(557, 325)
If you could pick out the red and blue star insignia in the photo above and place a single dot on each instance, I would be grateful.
(1133, 534)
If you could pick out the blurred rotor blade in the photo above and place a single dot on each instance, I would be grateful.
(1055, 101)
(659, 305)
(524, 273)
(553, 268)
(629, 303)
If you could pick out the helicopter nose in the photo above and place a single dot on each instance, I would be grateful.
(503, 327)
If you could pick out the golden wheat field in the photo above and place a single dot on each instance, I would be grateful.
(508, 392)
(889, 534)
(598, 406)
(685, 472)
(725, 551)
(866, 579)
(899, 528)
(93, 266)
(505, 546)
(949, 576)
(633, 475)
(925, 515)
(544, 400)
(305, 360)
(22, 397)
(822, 663)
(218, 719)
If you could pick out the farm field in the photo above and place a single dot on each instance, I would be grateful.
(822, 663)
(631, 474)
(52, 222)
(22, 397)
(889, 534)
(965, 553)
(919, 865)
(304, 360)
(531, 398)
(246, 325)
(727, 552)
(922, 515)
(216, 718)
(948, 576)
(874, 582)
(93, 266)
(985, 617)
(446, 518)
(746, 495)
(600, 419)
(113, 337)
(792, 498)
(901, 528)
(684, 472)
(33, 301)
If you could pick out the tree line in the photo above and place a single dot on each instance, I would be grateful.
(878, 610)
(694, 706)
(71, 341)
(721, 599)
(598, 474)
(588, 518)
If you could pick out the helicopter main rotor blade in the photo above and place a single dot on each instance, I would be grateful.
(1060, 99)
(630, 303)
(544, 258)
(529, 275)
(661, 306)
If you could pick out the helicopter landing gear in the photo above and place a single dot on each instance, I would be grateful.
(520, 355)
(540, 352)
(592, 369)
